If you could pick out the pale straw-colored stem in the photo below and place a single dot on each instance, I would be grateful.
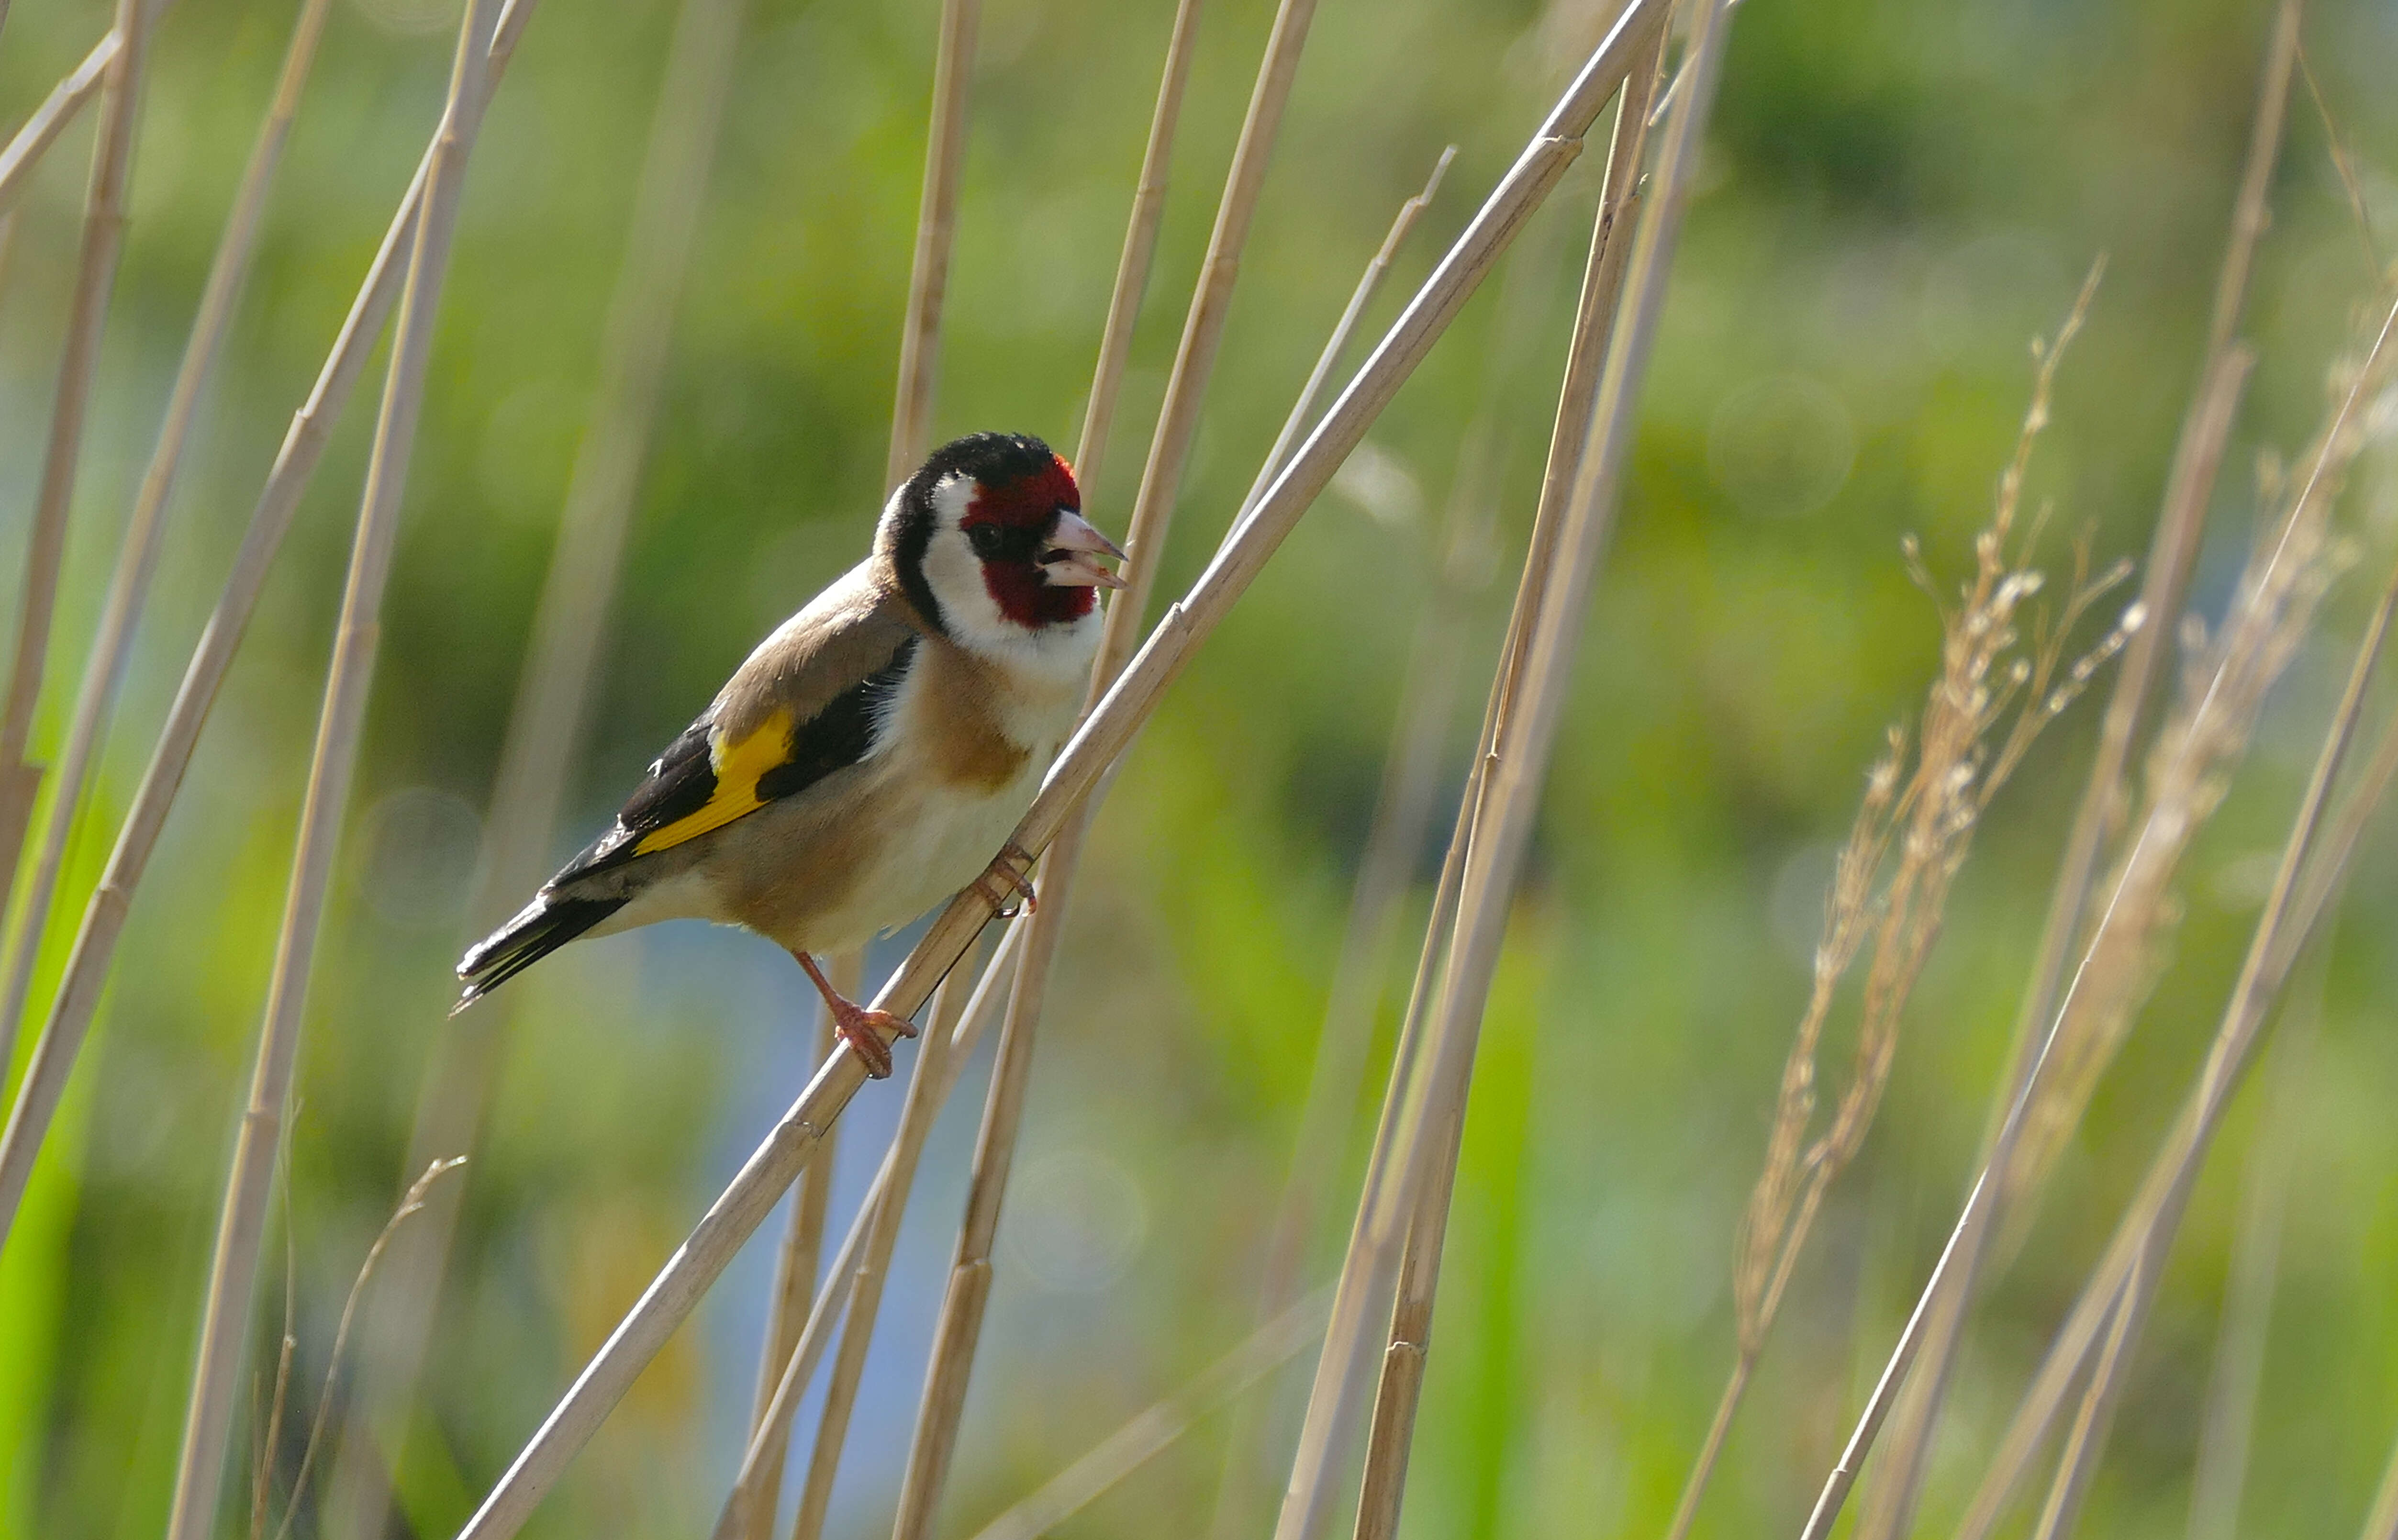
(936, 221)
(1135, 1443)
(24, 150)
(2226, 1432)
(2272, 950)
(123, 81)
(2381, 1519)
(1973, 1219)
(1371, 1258)
(916, 1118)
(304, 445)
(1530, 706)
(1133, 263)
(1368, 284)
(1103, 736)
(959, 1328)
(2013, 1453)
(772, 1432)
(550, 715)
(2173, 551)
(225, 1320)
(137, 560)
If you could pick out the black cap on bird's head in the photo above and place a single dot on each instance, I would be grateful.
(988, 537)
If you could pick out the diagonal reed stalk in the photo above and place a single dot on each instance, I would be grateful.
(24, 152)
(2381, 1519)
(1103, 735)
(2272, 949)
(1128, 1448)
(936, 224)
(958, 1327)
(2227, 1428)
(2277, 595)
(2013, 1453)
(122, 84)
(137, 560)
(2189, 486)
(1918, 818)
(551, 711)
(772, 1432)
(70, 1011)
(1625, 295)
(233, 1275)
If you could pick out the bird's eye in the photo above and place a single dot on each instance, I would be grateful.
(986, 540)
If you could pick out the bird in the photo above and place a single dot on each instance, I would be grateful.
(873, 751)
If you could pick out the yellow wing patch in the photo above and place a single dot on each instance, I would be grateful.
(738, 767)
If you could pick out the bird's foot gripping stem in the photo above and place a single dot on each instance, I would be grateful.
(866, 1030)
(1008, 879)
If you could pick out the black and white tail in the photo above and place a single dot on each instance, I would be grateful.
(547, 924)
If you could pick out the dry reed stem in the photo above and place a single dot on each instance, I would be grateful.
(1996, 690)
(1368, 284)
(122, 83)
(2226, 1430)
(2271, 953)
(1141, 1439)
(1133, 263)
(25, 149)
(1103, 736)
(937, 222)
(233, 1275)
(916, 1118)
(270, 1438)
(2277, 593)
(69, 1020)
(796, 1265)
(1370, 1260)
(137, 560)
(2381, 1519)
(410, 1204)
(2094, 1306)
(1530, 699)
(772, 1431)
(551, 709)
(957, 1328)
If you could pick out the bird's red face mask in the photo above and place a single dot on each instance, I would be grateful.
(1040, 557)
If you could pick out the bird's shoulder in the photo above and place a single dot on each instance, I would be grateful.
(807, 702)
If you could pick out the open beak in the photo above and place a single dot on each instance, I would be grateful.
(1072, 558)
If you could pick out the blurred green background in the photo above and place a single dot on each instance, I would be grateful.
(1895, 199)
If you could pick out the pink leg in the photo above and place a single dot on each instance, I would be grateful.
(862, 1029)
(1006, 876)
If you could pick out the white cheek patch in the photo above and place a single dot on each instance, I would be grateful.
(974, 618)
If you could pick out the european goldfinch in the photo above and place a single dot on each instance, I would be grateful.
(867, 757)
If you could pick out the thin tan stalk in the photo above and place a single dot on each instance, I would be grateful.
(772, 1431)
(2262, 974)
(795, 1270)
(1103, 736)
(916, 1118)
(104, 918)
(2091, 1312)
(270, 1436)
(2189, 487)
(2225, 1431)
(137, 560)
(550, 715)
(122, 84)
(1508, 798)
(1371, 1260)
(233, 1275)
(410, 1204)
(958, 1327)
(1368, 284)
(1135, 1443)
(2269, 619)
(937, 221)
(24, 150)
(1134, 263)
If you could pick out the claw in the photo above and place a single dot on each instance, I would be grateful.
(866, 1030)
(1007, 877)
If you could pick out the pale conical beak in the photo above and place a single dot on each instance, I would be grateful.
(1072, 558)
